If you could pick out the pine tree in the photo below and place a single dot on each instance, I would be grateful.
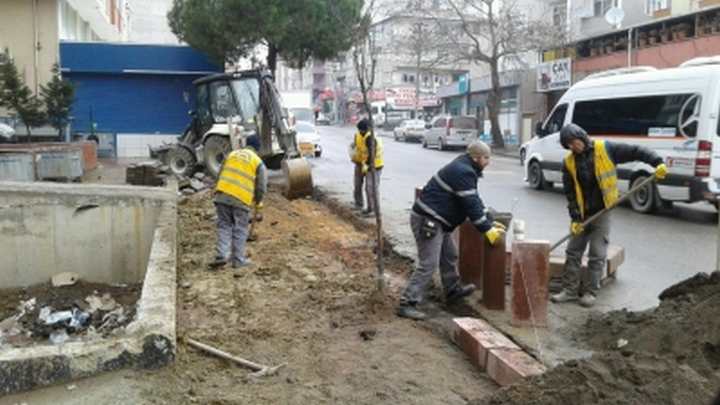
(58, 95)
(16, 96)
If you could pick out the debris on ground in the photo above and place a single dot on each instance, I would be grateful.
(666, 355)
(83, 310)
(149, 173)
(64, 279)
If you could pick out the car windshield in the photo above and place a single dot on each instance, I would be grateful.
(464, 123)
(304, 127)
(302, 114)
(416, 123)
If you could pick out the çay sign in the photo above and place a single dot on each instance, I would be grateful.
(554, 75)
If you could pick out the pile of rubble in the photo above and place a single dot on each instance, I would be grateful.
(58, 314)
(154, 173)
(195, 184)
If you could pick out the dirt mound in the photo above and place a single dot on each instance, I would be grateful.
(666, 355)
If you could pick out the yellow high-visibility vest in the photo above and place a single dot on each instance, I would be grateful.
(237, 178)
(363, 152)
(605, 173)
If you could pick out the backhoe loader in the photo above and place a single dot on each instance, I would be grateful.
(229, 107)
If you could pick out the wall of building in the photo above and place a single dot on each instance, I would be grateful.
(17, 34)
(664, 56)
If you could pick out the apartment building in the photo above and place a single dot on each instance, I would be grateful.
(31, 30)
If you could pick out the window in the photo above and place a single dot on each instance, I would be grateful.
(222, 104)
(639, 116)
(556, 120)
(440, 123)
(203, 112)
(651, 6)
(559, 10)
(247, 92)
(464, 123)
(602, 6)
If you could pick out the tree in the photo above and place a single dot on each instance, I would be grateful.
(493, 32)
(58, 95)
(16, 96)
(422, 43)
(364, 55)
(297, 30)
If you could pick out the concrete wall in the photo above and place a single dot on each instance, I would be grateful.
(17, 35)
(102, 233)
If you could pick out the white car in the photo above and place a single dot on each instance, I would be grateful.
(409, 130)
(450, 132)
(308, 139)
(6, 131)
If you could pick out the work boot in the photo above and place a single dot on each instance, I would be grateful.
(367, 213)
(563, 296)
(459, 292)
(357, 207)
(587, 300)
(240, 264)
(410, 312)
(217, 263)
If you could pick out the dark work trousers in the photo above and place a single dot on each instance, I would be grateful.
(358, 179)
(436, 252)
(370, 187)
(232, 232)
(597, 235)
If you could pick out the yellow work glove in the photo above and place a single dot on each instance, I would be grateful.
(497, 224)
(494, 235)
(661, 171)
(258, 212)
(365, 168)
(576, 228)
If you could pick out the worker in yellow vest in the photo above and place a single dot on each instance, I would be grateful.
(358, 163)
(364, 140)
(241, 185)
(590, 183)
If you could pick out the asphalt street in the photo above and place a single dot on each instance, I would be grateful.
(661, 249)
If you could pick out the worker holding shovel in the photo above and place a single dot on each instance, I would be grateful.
(590, 184)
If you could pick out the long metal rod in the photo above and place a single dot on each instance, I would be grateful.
(223, 355)
(607, 209)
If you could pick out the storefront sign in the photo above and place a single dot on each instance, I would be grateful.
(555, 75)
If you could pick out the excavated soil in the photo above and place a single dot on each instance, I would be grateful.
(667, 355)
(309, 302)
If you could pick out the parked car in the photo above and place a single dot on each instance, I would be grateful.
(6, 131)
(523, 150)
(409, 130)
(308, 139)
(450, 132)
(671, 111)
(322, 119)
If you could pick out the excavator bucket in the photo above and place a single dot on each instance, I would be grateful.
(298, 178)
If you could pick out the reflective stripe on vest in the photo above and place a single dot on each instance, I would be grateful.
(605, 173)
(363, 152)
(237, 178)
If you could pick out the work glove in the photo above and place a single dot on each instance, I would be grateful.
(258, 212)
(576, 228)
(494, 235)
(497, 224)
(661, 171)
(365, 168)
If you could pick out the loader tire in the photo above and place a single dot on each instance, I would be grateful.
(215, 150)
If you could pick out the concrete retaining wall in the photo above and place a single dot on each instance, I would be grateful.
(149, 341)
(102, 233)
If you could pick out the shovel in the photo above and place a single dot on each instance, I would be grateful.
(606, 209)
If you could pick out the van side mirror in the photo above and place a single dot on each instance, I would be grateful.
(428, 126)
(539, 131)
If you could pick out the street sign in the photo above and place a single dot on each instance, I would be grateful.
(554, 75)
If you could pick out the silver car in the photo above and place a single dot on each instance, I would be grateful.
(447, 132)
(409, 130)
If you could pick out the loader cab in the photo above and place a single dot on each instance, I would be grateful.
(225, 97)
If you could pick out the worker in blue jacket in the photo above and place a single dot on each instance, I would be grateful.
(447, 200)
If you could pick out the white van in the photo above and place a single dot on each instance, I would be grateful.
(671, 111)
